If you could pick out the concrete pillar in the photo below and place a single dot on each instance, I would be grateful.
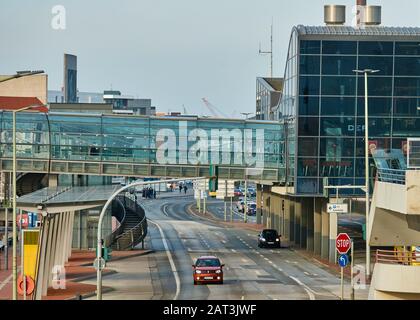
(317, 225)
(292, 220)
(70, 240)
(333, 236)
(53, 180)
(298, 217)
(325, 232)
(42, 258)
(49, 254)
(260, 196)
(303, 222)
(310, 225)
(286, 222)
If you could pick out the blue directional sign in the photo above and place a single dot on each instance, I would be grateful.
(343, 260)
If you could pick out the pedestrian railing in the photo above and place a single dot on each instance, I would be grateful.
(132, 237)
(392, 176)
(398, 257)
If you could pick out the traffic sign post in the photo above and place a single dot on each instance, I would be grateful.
(343, 244)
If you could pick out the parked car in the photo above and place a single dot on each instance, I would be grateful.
(238, 192)
(252, 209)
(252, 192)
(269, 238)
(208, 269)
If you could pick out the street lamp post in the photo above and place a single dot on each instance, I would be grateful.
(366, 72)
(101, 218)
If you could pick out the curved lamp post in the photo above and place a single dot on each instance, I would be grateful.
(101, 217)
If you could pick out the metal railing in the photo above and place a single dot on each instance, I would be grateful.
(396, 176)
(130, 238)
(397, 257)
(117, 205)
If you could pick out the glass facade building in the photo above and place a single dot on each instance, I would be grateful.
(324, 99)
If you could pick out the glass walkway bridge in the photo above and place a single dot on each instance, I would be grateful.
(137, 146)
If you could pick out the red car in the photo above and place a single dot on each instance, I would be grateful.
(208, 269)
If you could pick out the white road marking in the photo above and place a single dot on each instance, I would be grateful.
(308, 290)
(171, 261)
(6, 281)
(233, 250)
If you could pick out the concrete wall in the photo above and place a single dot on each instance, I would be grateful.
(30, 86)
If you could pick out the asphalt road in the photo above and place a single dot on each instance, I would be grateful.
(178, 238)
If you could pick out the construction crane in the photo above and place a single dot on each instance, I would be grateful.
(214, 110)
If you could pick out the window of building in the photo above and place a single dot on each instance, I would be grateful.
(338, 65)
(310, 65)
(338, 106)
(308, 126)
(376, 106)
(308, 106)
(339, 47)
(407, 66)
(407, 106)
(337, 126)
(407, 48)
(383, 64)
(338, 86)
(376, 48)
(407, 87)
(310, 47)
(309, 86)
(377, 86)
(308, 147)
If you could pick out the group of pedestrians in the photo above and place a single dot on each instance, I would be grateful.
(149, 193)
(183, 187)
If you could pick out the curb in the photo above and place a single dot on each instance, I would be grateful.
(91, 294)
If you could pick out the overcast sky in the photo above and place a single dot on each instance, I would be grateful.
(175, 52)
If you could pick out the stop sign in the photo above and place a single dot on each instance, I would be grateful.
(343, 243)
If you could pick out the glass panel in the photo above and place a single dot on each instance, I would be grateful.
(308, 106)
(307, 167)
(309, 85)
(376, 48)
(337, 126)
(308, 147)
(335, 148)
(378, 127)
(336, 65)
(308, 126)
(406, 127)
(338, 106)
(377, 86)
(376, 106)
(407, 107)
(330, 167)
(339, 47)
(407, 66)
(339, 86)
(407, 48)
(407, 87)
(307, 185)
(383, 64)
(310, 64)
(310, 47)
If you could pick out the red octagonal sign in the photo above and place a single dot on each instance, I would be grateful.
(343, 243)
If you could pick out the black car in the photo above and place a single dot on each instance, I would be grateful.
(269, 238)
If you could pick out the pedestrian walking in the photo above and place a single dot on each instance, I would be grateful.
(185, 189)
(180, 188)
(154, 194)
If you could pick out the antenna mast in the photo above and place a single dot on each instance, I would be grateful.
(270, 52)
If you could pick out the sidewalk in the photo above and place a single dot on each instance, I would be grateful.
(79, 268)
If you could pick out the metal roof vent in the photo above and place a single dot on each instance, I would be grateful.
(335, 14)
(373, 15)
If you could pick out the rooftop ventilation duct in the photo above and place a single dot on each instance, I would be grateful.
(335, 14)
(373, 15)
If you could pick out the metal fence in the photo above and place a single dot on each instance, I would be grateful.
(413, 153)
(392, 176)
(398, 257)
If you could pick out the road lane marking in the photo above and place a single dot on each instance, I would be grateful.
(233, 250)
(171, 261)
(6, 281)
(308, 290)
